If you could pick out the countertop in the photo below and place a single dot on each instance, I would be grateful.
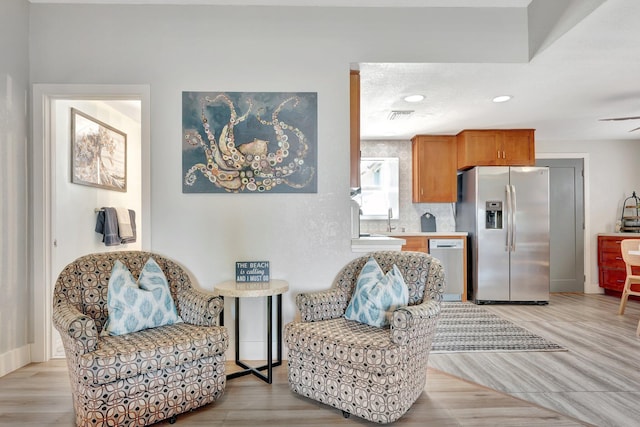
(426, 233)
(378, 239)
(630, 235)
(394, 240)
(376, 242)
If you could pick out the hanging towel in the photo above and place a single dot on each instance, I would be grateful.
(132, 217)
(107, 225)
(124, 223)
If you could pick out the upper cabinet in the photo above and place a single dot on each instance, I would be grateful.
(511, 147)
(434, 168)
(354, 98)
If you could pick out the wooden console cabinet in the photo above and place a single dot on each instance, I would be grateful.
(434, 169)
(611, 268)
(508, 147)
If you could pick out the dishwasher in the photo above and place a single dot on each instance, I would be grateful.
(449, 252)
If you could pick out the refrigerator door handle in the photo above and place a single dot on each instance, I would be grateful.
(508, 242)
(514, 207)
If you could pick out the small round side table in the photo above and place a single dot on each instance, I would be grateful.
(237, 290)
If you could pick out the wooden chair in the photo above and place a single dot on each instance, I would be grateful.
(630, 260)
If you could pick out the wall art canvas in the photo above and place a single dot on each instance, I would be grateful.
(98, 153)
(249, 142)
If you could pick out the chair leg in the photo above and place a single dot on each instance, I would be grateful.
(625, 296)
(638, 330)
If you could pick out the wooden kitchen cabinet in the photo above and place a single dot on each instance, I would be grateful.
(415, 243)
(504, 147)
(354, 138)
(434, 169)
(611, 268)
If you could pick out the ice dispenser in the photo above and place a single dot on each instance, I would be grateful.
(494, 214)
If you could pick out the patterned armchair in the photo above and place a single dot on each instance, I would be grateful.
(374, 373)
(146, 376)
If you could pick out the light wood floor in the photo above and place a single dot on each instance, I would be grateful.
(39, 395)
(596, 381)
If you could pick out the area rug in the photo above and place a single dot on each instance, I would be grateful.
(467, 327)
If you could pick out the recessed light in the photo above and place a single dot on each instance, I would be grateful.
(414, 98)
(502, 98)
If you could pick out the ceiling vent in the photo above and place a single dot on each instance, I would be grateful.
(399, 114)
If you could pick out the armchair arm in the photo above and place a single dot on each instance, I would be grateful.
(411, 322)
(75, 327)
(199, 308)
(323, 305)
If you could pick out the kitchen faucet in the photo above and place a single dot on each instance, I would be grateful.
(389, 215)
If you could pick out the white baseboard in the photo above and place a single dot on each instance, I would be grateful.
(254, 350)
(593, 288)
(14, 359)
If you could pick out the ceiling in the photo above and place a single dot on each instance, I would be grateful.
(323, 3)
(588, 72)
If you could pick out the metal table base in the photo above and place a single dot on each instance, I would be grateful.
(270, 362)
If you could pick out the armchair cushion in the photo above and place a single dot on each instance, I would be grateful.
(150, 350)
(377, 295)
(134, 306)
(346, 342)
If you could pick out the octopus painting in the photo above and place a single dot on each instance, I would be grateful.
(249, 142)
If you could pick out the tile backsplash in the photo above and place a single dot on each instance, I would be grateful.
(410, 212)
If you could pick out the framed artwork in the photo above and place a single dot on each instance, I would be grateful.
(249, 142)
(98, 153)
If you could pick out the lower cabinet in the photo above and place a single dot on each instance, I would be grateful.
(611, 268)
(415, 243)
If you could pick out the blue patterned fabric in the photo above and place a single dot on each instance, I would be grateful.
(134, 306)
(377, 295)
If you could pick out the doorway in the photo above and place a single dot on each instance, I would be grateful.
(64, 213)
(566, 204)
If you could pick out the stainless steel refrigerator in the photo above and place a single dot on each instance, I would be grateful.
(505, 210)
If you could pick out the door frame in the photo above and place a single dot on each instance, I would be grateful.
(40, 216)
(589, 287)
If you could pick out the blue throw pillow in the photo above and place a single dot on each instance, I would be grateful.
(134, 306)
(377, 295)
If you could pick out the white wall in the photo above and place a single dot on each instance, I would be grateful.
(613, 176)
(208, 48)
(14, 273)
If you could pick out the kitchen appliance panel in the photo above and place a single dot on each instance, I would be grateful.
(530, 267)
(492, 256)
(497, 273)
(450, 254)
